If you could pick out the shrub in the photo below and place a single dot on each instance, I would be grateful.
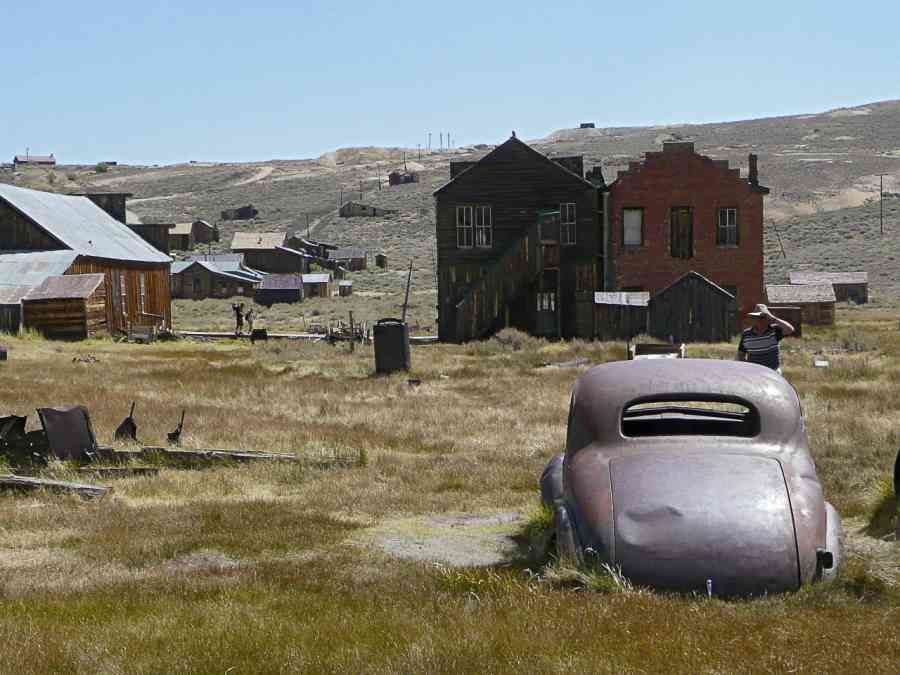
(101, 168)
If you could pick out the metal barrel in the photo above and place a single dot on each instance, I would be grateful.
(391, 346)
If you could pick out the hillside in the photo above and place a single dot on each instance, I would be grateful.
(815, 164)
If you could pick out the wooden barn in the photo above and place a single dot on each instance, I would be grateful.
(848, 286)
(69, 307)
(197, 279)
(280, 288)
(815, 300)
(620, 315)
(268, 252)
(317, 285)
(350, 258)
(693, 309)
(11, 308)
(44, 234)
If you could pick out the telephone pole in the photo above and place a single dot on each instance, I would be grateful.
(881, 200)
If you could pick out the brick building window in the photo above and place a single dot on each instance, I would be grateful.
(464, 227)
(727, 230)
(682, 231)
(632, 227)
(484, 227)
(567, 223)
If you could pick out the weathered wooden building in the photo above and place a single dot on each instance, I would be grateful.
(11, 308)
(381, 260)
(68, 307)
(852, 286)
(693, 309)
(204, 233)
(34, 160)
(402, 177)
(111, 202)
(792, 314)
(268, 252)
(619, 315)
(240, 213)
(350, 258)
(355, 209)
(279, 288)
(198, 279)
(519, 236)
(42, 234)
(815, 300)
(181, 237)
(317, 285)
(345, 289)
(155, 234)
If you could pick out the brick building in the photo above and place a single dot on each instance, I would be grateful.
(678, 211)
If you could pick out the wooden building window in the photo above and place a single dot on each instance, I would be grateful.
(143, 292)
(632, 227)
(464, 227)
(123, 285)
(484, 227)
(546, 301)
(727, 231)
(682, 230)
(567, 223)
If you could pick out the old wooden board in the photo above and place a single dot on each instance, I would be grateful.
(13, 482)
(119, 471)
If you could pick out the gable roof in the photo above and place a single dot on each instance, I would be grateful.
(30, 269)
(182, 229)
(622, 298)
(485, 162)
(804, 278)
(69, 286)
(799, 293)
(34, 159)
(79, 224)
(250, 241)
(222, 269)
(693, 274)
(12, 295)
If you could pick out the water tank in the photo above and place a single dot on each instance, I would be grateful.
(391, 346)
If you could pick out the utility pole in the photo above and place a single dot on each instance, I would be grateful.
(881, 199)
(429, 141)
(441, 147)
(448, 140)
(419, 151)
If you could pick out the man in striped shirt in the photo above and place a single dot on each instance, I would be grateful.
(759, 343)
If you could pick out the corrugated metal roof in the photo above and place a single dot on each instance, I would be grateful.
(804, 278)
(316, 278)
(66, 287)
(30, 269)
(281, 282)
(81, 225)
(12, 295)
(182, 228)
(785, 293)
(246, 241)
(345, 283)
(347, 253)
(225, 269)
(626, 298)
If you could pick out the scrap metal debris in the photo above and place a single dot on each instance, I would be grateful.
(127, 430)
(175, 436)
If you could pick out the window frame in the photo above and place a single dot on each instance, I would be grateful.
(672, 226)
(483, 232)
(568, 232)
(722, 231)
(639, 209)
(462, 228)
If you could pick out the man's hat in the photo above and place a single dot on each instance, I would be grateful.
(758, 311)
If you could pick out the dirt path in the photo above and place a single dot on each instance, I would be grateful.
(263, 173)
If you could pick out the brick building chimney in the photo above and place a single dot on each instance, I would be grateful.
(753, 171)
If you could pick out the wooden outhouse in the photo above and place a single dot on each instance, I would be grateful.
(345, 288)
(693, 309)
(70, 306)
(815, 300)
(317, 285)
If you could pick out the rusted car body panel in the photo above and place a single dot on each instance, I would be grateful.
(679, 496)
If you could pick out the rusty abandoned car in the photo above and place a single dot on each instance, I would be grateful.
(692, 475)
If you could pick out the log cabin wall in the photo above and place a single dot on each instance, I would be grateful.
(126, 304)
(68, 318)
(18, 233)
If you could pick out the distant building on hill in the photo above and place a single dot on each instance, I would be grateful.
(816, 301)
(353, 209)
(268, 252)
(398, 177)
(240, 213)
(218, 277)
(34, 160)
(847, 285)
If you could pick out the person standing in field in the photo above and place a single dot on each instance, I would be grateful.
(248, 317)
(238, 318)
(759, 343)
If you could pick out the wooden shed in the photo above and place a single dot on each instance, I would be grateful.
(181, 237)
(381, 260)
(350, 258)
(71, 306)
(199, 279)
(155, 234)
(11, 308)
(356, 209)
(693, 309)
(620, 315)
(852, 286)
(317, 285)
(815, 300)
(279, 288)
(345, 288)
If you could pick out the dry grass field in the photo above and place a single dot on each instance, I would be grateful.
(285, 568)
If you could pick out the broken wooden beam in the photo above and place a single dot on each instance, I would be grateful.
(13, 482)
(119, 471)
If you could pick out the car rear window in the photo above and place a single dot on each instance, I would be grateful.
(691, 416)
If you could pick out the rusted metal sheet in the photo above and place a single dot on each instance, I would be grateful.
(69, 432)
(689, 470)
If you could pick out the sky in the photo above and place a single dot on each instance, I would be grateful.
(163, 81)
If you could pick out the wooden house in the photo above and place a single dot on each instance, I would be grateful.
(848, 286)
(204, 233)
(155, 234)
(197, 279)
(181, 237)
(381, 260)
(693, 309)
(815, 300)
(519, 236)
(69, 307)
(11, 308)
(34, 160)
(403, 177)
(350, 258)
(268, 252)
(280, 288)
(240, 213)
(345, 289)
(317, 285)
(44, 234)
(620, 315)
(355, 209)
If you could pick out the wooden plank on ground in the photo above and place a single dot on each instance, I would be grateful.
(13, 482)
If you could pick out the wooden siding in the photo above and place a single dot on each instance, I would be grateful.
(858, 293)
(18, 233)
(817, 313)
(121, 315)
(68, 318)
(793, 315)
(692, 310)
(274, 261)
(197, 283)
(619, 322)
(11, 318)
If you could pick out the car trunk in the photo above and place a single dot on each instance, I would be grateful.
(683, 520)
